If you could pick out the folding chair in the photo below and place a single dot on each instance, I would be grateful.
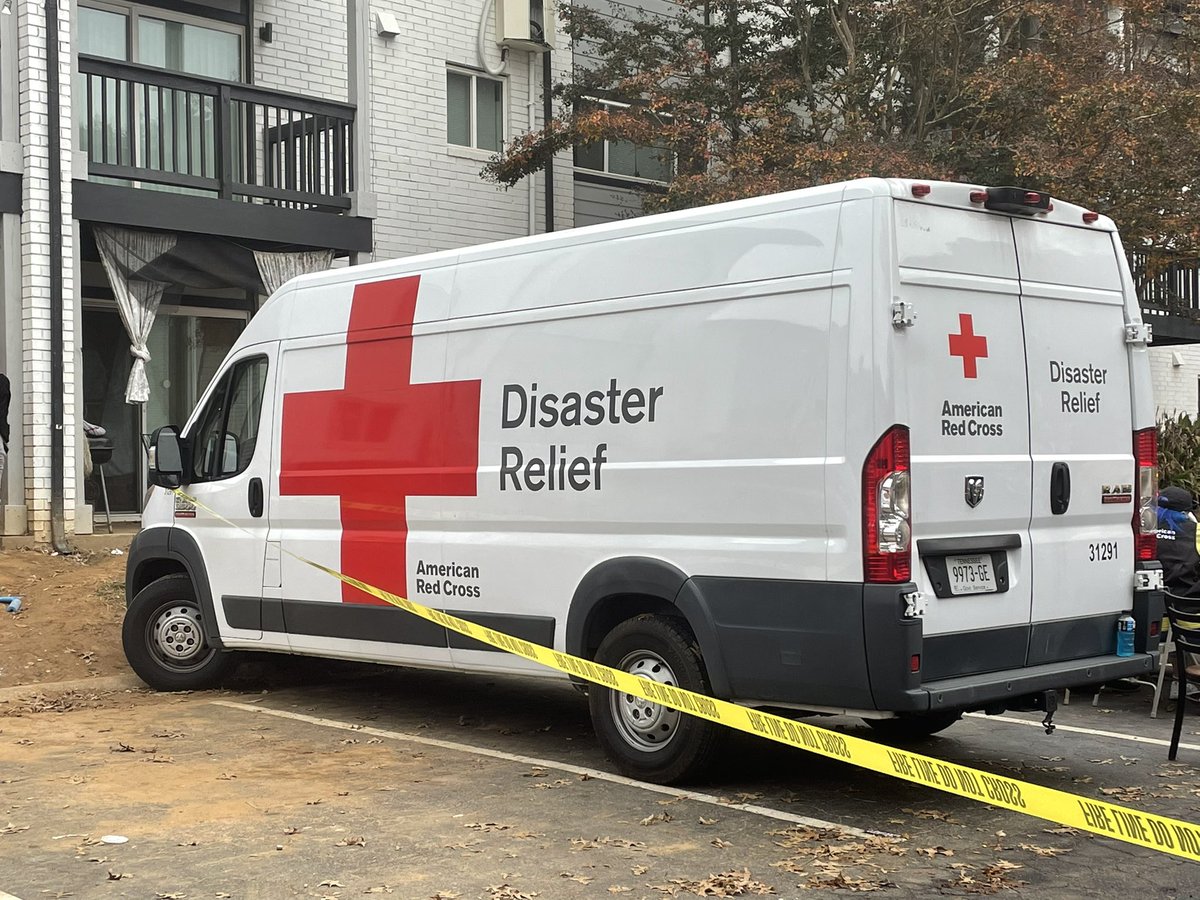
(1184, 615)
(1164, 658)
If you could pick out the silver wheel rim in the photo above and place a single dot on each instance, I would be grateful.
(644, 725)
(176, 637)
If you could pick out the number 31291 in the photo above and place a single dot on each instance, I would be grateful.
(1102, 552)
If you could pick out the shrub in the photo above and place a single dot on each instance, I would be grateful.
(1179, 452)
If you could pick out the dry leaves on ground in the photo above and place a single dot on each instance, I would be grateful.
(843, 863)
(657, 817)
(1050, 852)
(734, 883)
(935, 814)
(64, 702)
(584, 844)
(357, 841)
(508, 892)
(1127, 794)
(841, 881)
(990, 880)
(487, 826)
(931, 852)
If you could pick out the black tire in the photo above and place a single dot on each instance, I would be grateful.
(907, 729)
(642, 739)
(164, 640)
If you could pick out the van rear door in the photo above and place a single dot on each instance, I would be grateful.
(962, 390)
(1081, 437)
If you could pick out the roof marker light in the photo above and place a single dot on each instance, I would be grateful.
(979, 196)
(1090, 217)
(921, 190)
(1033, 198)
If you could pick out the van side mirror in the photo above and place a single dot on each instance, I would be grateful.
(165, 458)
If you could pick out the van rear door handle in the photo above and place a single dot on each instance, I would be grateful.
(255, 498)
(1060, 488)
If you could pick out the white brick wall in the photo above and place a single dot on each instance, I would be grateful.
(1176, 387)
(430, 195)
(36, 260)
(307, 53)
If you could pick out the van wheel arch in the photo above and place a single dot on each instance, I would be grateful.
(620, 589)
(161, 552)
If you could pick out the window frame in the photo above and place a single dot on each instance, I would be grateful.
(473, 114)
(134, 11)
(607, 172)
(223, 385)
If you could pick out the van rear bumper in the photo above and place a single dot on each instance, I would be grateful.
(851, 646)
(973, 691)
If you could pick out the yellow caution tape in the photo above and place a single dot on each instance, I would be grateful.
(1132, 826)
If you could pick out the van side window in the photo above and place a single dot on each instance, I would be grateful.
(227, 432)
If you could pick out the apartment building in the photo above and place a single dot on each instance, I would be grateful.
(181, 158)
(164, 164)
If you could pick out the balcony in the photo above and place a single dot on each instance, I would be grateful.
(1168, 290)
(175, 151)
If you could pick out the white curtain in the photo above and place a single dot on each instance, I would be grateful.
(277, 269)
(124, 252)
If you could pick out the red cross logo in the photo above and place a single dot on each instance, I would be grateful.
(969, 345)
(381, 439)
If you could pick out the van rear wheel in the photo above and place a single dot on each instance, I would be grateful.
(914, 728)
(642, 739)
(164, 641)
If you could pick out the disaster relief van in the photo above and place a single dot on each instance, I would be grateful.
(879, 448)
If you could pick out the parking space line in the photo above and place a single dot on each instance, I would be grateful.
(1119, 735)
(597, 774)
(4, 896)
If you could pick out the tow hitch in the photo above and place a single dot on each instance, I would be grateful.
(1050, 705)
(1046, 701)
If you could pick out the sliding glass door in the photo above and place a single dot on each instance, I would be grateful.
(186, 347)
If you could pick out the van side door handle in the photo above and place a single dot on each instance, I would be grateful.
(1060, 488)
(255, 498)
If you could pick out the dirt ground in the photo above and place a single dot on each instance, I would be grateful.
(69, 625)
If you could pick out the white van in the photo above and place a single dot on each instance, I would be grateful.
(883, 448)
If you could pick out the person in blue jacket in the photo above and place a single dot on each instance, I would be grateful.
(1177, 548)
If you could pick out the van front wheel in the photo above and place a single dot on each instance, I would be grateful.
(642, 739)
(163, 638)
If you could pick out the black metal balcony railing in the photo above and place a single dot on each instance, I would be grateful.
(157, 129)
(1167, 284)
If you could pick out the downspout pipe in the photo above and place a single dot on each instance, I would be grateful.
(547, 115)
(58, 535)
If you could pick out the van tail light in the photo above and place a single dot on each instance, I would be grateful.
(887, 523)
(1145, 509)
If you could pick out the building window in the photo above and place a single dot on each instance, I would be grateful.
(189, 45)
(624, 158)
(474, 110)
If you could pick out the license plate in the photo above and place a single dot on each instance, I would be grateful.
(971, 574)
